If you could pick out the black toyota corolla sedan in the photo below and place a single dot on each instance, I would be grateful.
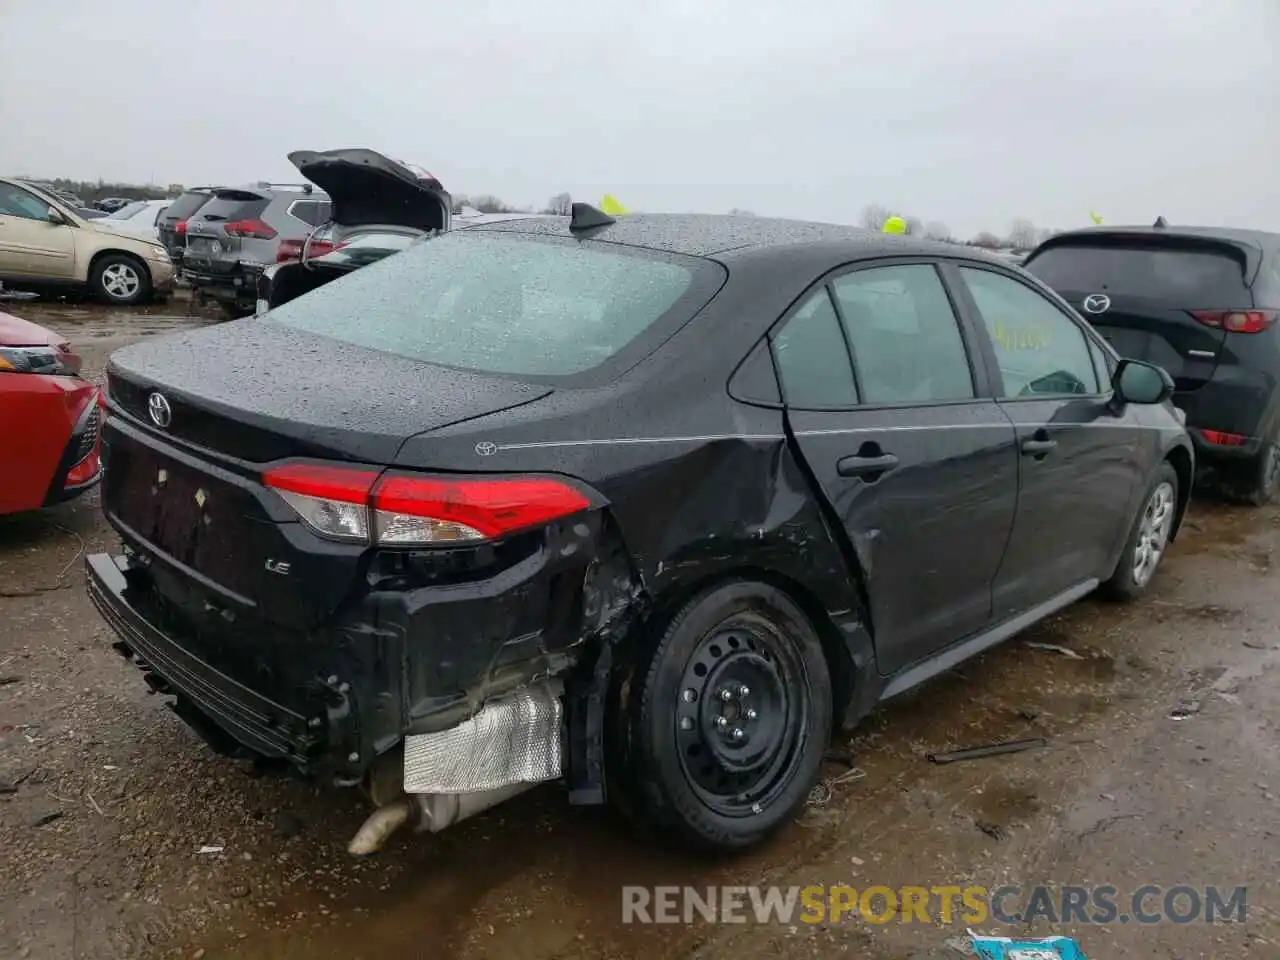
(650, 506)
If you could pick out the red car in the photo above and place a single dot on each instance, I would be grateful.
(50, 419)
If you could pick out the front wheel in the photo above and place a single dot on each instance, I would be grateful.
(1148, 539)
(732, 720)
(120, 280)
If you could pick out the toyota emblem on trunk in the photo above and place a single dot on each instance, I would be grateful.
(158, 407)
(1097, 303)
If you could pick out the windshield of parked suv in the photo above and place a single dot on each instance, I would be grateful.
(1190, 276)
(499, 304)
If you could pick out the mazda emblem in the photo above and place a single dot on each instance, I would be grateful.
(158, 408)
(1097, 303)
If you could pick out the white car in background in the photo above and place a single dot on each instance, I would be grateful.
(139, 218)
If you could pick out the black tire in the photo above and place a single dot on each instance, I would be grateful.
(725, 786)
(120, 280)
(1127, 582)
(1260, 479)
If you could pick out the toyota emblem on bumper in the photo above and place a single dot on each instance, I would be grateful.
(158, 408)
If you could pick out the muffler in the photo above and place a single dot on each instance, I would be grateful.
(510, 746)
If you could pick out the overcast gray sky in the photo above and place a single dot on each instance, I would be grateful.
(971, 113)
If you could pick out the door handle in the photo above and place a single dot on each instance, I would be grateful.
(868, 468)
(1038, 446)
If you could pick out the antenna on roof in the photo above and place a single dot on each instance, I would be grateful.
(583, 216)
(1160, 223)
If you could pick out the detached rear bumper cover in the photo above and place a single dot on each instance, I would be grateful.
(271, 729)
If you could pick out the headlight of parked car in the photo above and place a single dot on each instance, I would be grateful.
(38, 360)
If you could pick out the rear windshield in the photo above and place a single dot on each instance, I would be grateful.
(234, 205)
(503, 304)
(185, 206)
(1189, 276)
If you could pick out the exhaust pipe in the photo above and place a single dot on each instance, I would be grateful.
(430, 812)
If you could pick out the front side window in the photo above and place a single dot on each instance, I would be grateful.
(1040, 351)
(813, 361)
(503, 304)
(905, 337)
(16, 202)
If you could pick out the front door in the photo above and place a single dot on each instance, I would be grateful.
(915, 464)
(1080, 456)
(31, 246)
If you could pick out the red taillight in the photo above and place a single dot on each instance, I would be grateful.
(292, 249)
(1224, 439)
(411, 509)
(180, 228)
(1236, 321)
(351, 503)
(250, 229)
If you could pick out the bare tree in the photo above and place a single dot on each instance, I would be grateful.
(739, 212)
(488, 203)
(915, 227)
(1048, 234)
(937, 230)
(985, 239)
(874, 216)
(1023, 234)
(561, 205)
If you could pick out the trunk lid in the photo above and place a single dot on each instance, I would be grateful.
(1140, 291)
(207, 238)
(367, 188)
(236, 396)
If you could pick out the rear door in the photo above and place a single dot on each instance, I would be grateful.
(1081, 460)
(1153, 298)
(915, 459)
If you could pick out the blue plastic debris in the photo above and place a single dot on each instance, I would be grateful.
(1049, 948)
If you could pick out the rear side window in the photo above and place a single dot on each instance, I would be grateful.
(1190, 276)
(506, 305)
(234, 205)
(185, 206)
(1039, 349)
(813, 361)
(314, 212)
(905, 337)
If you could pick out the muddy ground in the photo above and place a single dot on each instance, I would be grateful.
(106, 799)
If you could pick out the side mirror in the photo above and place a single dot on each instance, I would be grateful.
(55, 217)
(1139, 382)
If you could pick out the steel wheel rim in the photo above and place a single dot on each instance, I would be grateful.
(742, 716)
(121, 281)
(1153, 533)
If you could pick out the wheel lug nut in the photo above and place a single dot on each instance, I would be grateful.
(686, 723)
(726, 694)
(752, 715)
(722, 722)
(737, 734)
(743, 690)
(688, 696)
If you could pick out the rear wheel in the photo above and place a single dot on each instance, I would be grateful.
(732, 720)
(120, 280)
(1148, 539)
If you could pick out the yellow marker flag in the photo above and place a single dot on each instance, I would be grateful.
(895, 225)
(1097, 218)
(609, 204)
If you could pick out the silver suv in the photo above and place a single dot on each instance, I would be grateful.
(235, 235)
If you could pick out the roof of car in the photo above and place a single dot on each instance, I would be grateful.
(707, 235)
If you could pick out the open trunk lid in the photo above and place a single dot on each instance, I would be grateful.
(184, 476)
(367, 188)
(1142, 291)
